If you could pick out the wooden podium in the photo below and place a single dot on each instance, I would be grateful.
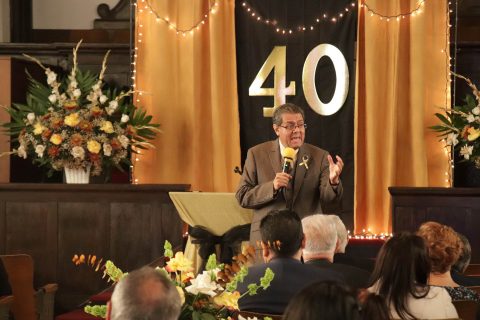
(216, 212)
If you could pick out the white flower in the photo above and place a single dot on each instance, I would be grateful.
(103, 98)
(52, 98)
(452, 139)
(31, 117)
(96, 86)
(39, 149)
(51, 76)
(21, 152)
(248, 318)
(125, 118)
(203, 284)
(466, 151)
(73, 84)
(78, 152)
(470, 118)
(77, 93)
(476, 110)
(107, 149)
(112, 106)
(123, 141)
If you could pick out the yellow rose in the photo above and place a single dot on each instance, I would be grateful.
(227, 299)
(56, 139)
(473, 134)
(179, 263)
(38, 128)
(72, 120)
(93, 146)
(107, 127)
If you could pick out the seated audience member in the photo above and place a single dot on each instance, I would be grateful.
(320, 243)
(328, 300)
(144, 294)
(282, 243)
(401, 274)
(461, 265)
(340, 255)
(324, 300)
(444, 248)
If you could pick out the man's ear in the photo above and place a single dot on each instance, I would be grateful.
(265, 250)
(276, 129)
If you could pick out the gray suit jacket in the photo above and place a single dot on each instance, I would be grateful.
(311, 186)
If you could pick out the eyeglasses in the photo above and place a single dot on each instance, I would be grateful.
(292, 126)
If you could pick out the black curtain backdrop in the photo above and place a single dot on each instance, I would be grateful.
(255, 40)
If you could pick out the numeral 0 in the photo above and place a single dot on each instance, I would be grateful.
(277, 61)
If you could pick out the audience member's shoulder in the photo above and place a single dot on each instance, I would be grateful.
(440, 293)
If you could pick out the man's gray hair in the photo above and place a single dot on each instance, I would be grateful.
(145, 294)
(286, 108)
(342, 233)
(320, 234)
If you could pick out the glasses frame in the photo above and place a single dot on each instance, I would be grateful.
(295, 126)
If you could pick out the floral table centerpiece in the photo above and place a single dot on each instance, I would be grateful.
(76, 123)
(210, 295)
(460, 126)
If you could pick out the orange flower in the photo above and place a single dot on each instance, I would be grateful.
(57, 123)
(76, 140)
(46, 134)
(464, 133)
(96, 111)
(115, 144)
(85, 126)
(53, 151)
(70, 105)
(94, 157)
(130, 130)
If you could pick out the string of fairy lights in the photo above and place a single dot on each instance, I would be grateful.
(140, 8)
(145, 6)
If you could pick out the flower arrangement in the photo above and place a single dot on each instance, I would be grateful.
(76, 122)
(460, 127)
(210, 295)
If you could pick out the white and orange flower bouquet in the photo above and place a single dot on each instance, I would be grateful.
(77, 122)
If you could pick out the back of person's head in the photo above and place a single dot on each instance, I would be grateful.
(320, 234)
(464, 259)
(285, 108)
(145, 294)
(374, 307)
(444, 245)
(401, 269)
(282, 232)
(323, 300)
(342, 233)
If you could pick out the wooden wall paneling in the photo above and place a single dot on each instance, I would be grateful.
(171, 226)
(458, 208)
(3, 229)
(131, 235)
(30, 229)
(83, 228)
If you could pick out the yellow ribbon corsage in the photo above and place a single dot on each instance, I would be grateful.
(304, 162)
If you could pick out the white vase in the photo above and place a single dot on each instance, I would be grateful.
(77, 175)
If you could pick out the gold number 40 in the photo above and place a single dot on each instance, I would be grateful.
(277, 61)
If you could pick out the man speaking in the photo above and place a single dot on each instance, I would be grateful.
(277, 177)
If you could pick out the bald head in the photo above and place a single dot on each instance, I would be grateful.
(145, 294)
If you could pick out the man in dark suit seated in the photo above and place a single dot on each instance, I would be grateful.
(321, 240)
(5, 289)
(282, 244)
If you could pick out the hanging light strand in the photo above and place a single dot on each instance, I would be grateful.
(394, 17)
(212, 9)
(284, 30)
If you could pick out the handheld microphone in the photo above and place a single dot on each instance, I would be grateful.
(288, 155)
